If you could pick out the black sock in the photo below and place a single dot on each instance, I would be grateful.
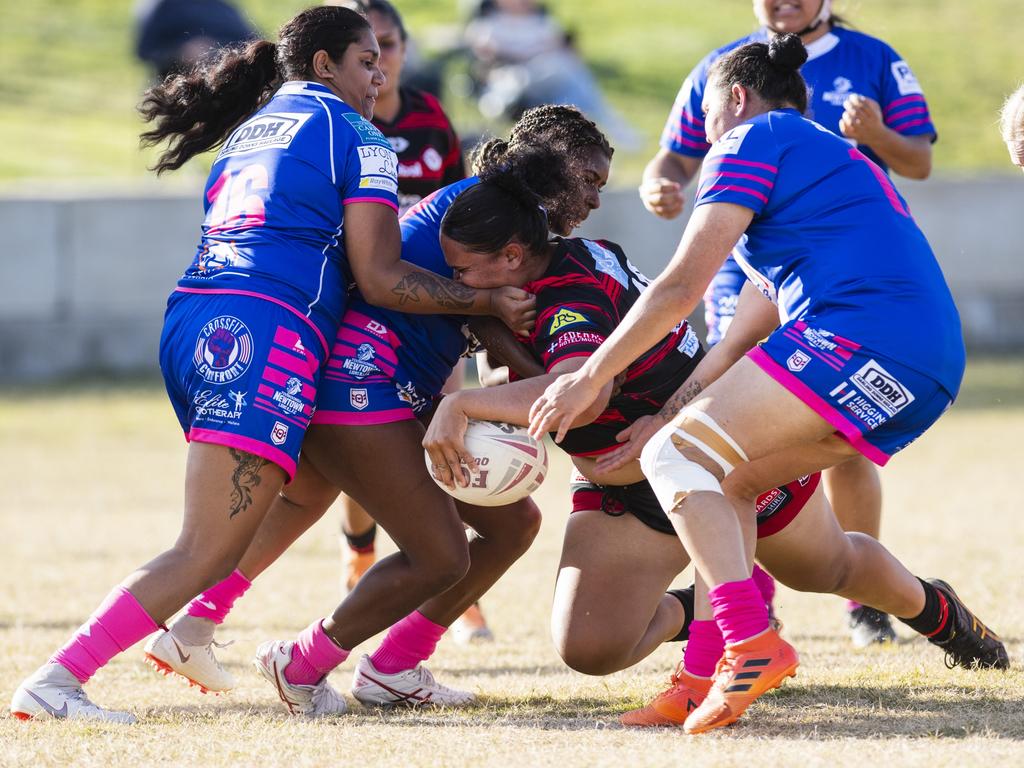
(934, 622)
(685, 597)
(361, 542)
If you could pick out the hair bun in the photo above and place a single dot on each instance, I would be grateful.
(786, 53)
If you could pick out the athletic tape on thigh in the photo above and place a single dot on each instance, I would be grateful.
(673, 476)
(702, 432)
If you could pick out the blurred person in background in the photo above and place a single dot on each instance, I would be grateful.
(429, 157)
(860, 89)
(173, 35)
(524, 58)
(1012, 124)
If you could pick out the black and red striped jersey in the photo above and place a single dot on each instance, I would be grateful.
(588, 288)
(429, 154)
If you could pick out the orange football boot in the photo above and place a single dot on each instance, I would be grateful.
(672, 706)
(356, 564)
(747, 670)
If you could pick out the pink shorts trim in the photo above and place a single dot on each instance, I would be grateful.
(247, 444)
(323, 341)
(846, 429)
(346, 418)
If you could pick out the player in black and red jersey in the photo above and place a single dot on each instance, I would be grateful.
(611, 608)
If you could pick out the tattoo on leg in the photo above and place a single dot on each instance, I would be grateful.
(444, 292)
(675, 403)
(245, 477)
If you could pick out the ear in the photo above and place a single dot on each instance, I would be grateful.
(515, 254)
(323, 66)
(740, 99)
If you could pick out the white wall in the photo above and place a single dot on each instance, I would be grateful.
(84, 280)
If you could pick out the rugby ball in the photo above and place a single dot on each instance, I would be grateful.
(509, 464)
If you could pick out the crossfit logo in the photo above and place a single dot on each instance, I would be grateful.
(223, 350)
(882, 388)
(798, 361)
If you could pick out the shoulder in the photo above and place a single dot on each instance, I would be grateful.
(868, 45)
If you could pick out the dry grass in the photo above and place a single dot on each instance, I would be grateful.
(93, 484)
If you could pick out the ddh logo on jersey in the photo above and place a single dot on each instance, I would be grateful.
(223, 350)
(264, 132)
(361, 365)
(882, 388)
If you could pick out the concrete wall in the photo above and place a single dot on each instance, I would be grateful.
(83, 280)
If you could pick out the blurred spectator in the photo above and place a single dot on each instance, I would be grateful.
(524, 58)
(1012, 124)
(175, 34)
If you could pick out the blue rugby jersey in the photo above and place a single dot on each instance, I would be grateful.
(832, 238)
(841, 63)
(275, 200)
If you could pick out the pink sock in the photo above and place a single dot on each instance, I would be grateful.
(407, 643)
(313, 656)
(765, 583)
(215, 602)
(739, 609)
(703, 649)
(115, 626)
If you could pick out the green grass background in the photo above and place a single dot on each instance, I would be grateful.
(69, 81)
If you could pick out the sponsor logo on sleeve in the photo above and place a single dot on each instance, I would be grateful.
(690, 344)
(571, 338)
(607, 263)
(906, 82)
(730, 143)
(212, 405)
(223, 350)
(367, 131)
(882, 388)
(358, 399)
(565, 317)
(270, 131)
(379, 182)
(377, 161)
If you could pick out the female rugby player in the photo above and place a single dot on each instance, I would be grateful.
(860, 89)
(869, 355)
(300, 199)
(610, 608)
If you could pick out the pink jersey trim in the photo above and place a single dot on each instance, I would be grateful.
(680, 139)
(748, 163)
(347, 418)
(911, 124)
(758, 179)
(350, 200)
(320, 337)
(905, 100)
(846, 429)
(247, 444)
(922, 110)
(736, 188)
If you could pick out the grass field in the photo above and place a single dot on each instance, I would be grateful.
(69, 80)
(93, 488)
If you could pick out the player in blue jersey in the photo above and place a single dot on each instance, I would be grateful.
(862, 90)
(868, 356)
(384, 375)
(301, 201)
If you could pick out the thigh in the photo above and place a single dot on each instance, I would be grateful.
(613, 572)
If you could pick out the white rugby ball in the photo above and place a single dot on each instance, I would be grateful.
(510, 465)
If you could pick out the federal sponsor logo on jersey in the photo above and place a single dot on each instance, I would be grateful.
(287, 400)
(407, 394)
(906, 82)
(884, 389)
(210, 404)
(278, 433)
(223, 350)
(271, 131)
(798, 361)
(358, 399)
(362, 364)
(368, 132)
(607, 263)
(565, 317)
(842, 89)
(432, 159)
(689, 345)
(570, 338)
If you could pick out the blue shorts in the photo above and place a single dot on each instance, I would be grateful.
(364, 381)
(720, 300)
(241, 371)
(879, 405)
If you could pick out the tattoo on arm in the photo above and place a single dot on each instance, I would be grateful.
(244, 479)
(683, 395)
(445, 293)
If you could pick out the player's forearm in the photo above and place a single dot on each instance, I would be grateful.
(407, 288)
(907, 156)
(509, 403)
(502, 345)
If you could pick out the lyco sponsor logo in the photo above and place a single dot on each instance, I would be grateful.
(882, 388)
(287, 400)
(279, 433)
(223, 350)
(377, 160)
(798, 361)
(264, 132)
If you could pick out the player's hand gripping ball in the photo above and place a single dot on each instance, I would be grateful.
(509, 464)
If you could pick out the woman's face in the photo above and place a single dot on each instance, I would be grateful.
(785, 16)
(357, 78)
(722, 110)
(485, 270)
(392, 50)
(590, 174)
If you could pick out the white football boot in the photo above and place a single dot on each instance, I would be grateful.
(307, 700)
(195, 663)
(410, 687)
(53, 691)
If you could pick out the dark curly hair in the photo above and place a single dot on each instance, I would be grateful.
(770, 69)
(197, 110)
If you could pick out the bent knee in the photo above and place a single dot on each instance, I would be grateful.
(590, 659)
